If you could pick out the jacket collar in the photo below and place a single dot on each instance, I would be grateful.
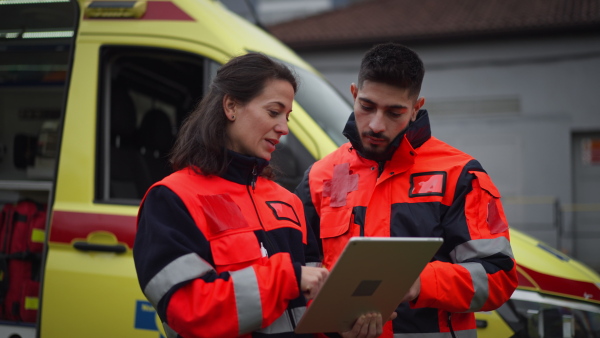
(416, 134)
(243, 169)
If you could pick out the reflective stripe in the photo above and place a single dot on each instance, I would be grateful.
(480, 285)
(298, 312)
(283, 323)
(180, 270)
(38, 235)
(315, 264)
(280, 325)
(480, 248)
(31, 303)
(169, 331)
(459, 334)
(247, 299)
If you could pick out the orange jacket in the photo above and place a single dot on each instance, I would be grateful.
(219, 258)
(426, 189)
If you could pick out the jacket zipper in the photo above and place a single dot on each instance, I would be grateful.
(253, 179)
(380, 168)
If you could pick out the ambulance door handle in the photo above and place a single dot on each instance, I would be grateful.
(481, 324)
(84, 246)
(101, 241)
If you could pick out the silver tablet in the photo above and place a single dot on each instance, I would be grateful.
(372, 275)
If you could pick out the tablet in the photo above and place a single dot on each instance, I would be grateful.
(372, 275)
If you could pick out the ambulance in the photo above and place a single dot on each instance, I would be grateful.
(91, 97)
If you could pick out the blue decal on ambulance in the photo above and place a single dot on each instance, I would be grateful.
(145, 316)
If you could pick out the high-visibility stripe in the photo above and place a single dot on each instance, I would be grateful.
(315, 264)
(284, 323)
(247, 299)
(458, 334)
(280, 325)
(298, 312)
(481, 248)
(480, 285)
(31, 303)
(169, 331)
(180, 270)
(38, 235)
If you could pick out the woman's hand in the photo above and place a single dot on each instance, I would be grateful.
(311, 280)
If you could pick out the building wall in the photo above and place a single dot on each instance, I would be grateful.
(515, 105)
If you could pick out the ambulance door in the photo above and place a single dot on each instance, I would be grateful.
(125, 104)
(36, 39)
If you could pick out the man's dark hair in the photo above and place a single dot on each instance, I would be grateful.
(201, 141)
(393, 64)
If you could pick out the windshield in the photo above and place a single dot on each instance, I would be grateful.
(323, 103)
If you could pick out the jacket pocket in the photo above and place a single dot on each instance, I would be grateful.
(335, 222)
(485, 182)
(232, 242)
(235, 251)
(335, 233)
(490, 210)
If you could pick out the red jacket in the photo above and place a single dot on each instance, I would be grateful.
(426, 189)
(218, 257)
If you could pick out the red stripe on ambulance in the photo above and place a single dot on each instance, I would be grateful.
(67, 226)
(165, 10)
(563, 286)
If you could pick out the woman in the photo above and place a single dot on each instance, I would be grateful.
(220, 248)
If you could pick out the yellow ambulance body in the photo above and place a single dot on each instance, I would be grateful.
(95, 293)
(90, 75)
(557, 296)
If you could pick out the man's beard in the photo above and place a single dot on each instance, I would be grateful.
(378, 152)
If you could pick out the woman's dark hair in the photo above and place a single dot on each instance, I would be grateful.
(393, 64)
(202, 137)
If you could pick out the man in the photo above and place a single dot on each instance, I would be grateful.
(394, 179)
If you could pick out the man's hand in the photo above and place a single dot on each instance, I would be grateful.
(311, 280)
(413, 292)
(369, 325)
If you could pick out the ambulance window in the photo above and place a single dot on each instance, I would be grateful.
(323, 103)
(290, 160)
(145, 95)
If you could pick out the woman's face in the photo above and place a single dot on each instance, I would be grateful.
(255, 128)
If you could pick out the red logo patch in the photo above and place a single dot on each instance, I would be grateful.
(284, 211)
(222, 213)
(427, 184)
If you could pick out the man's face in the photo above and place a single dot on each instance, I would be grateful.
(382, 112)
